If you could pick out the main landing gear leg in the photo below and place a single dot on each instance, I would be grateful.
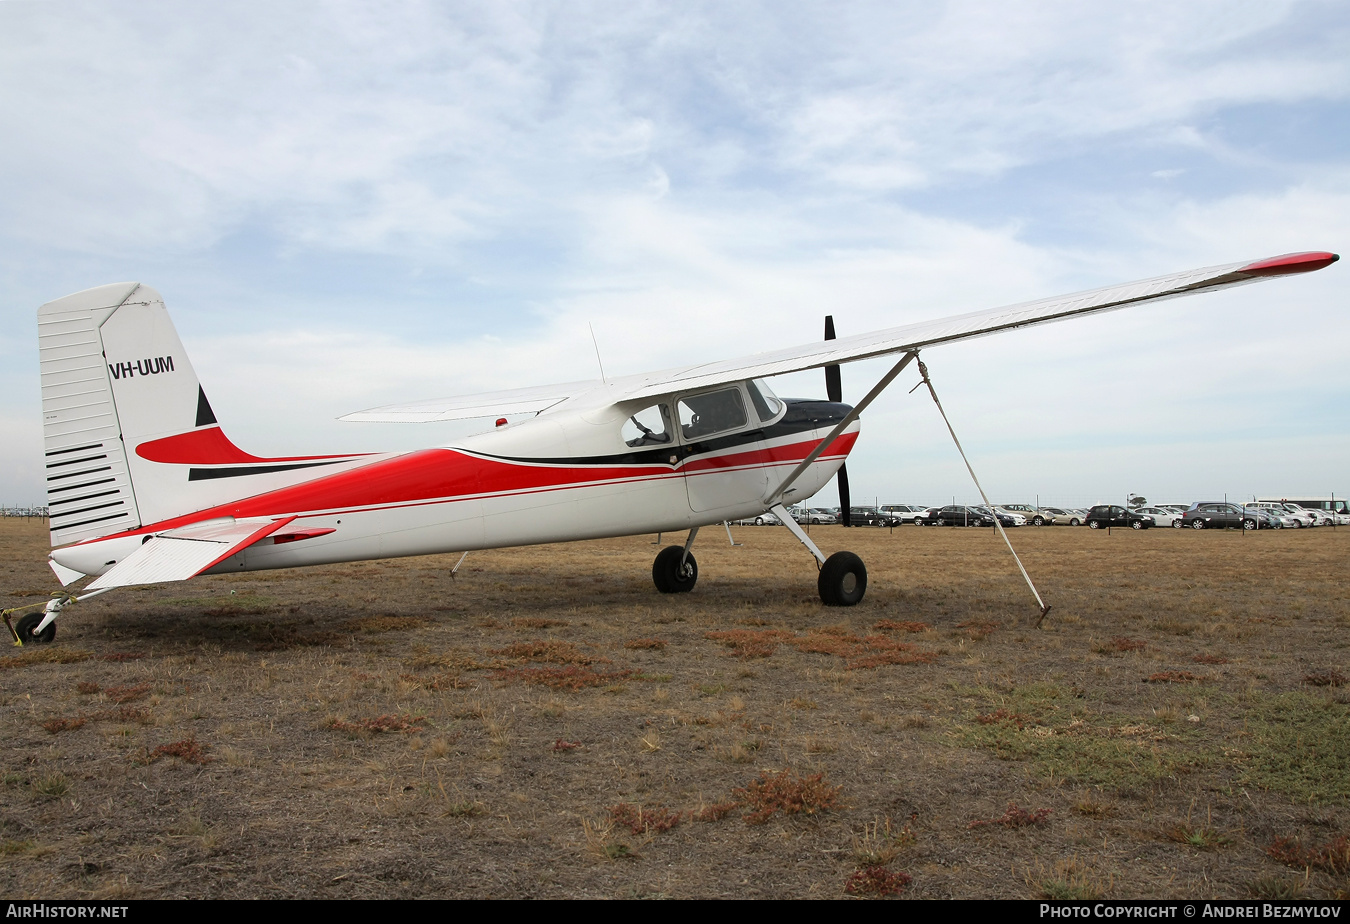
(843, 577)
(675, 571)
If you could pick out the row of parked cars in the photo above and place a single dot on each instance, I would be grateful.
(1222, 515)
(1259, 514)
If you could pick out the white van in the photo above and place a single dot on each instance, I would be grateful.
(1311, 501)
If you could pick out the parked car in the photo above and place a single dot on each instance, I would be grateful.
(1033, 516)
(930, 517)
(763, 519)
(905, 513)
(1303, 515)
(1104, 515)
(1218, 515)
(1161, 516)
(961, 515)
(813, 516)
(1280, 517)
(1058, 516)
(1006, 518)
(1268, 519)
(1321, 517)
(871, 516)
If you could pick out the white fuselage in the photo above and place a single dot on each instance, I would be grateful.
(559, 477)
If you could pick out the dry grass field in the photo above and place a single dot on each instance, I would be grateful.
(547, 725)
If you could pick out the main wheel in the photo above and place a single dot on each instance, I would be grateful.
(669, 576)
(1197, 524)
(843, 580)
(1093, 524)
(1177, 524)
(1073, 522)
(1038, 521)
(26, 628)
(1137, 524)
(1249, 524)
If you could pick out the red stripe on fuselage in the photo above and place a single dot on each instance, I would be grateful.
(447, 475)
(792, 452)
(209, 447)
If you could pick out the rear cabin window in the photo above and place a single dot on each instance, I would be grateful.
(714, 412)
(648, 427)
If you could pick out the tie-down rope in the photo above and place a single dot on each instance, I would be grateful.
(923, 371)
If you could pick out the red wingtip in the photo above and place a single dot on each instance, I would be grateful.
(1290, 263)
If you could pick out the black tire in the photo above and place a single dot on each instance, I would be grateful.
(1177, 524)
(1249, 524)
(1197, 524)
(1093, 524)
(843, 580)
(1074, 522)
(1038, 521)
(1137, 524)
(667, 574)
(759, 521)
(27, 624)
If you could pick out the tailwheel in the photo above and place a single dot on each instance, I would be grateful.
(670, 575)
(25, 628)
(843, 580)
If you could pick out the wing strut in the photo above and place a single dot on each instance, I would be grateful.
(777, 495)
(923, 371)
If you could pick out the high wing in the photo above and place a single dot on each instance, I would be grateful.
(865, 346)
(487, 404)
(979, 323)
(179, 554)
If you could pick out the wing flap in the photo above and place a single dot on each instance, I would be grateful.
(179, 554)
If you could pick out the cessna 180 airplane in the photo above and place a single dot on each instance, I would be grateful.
(144, 486)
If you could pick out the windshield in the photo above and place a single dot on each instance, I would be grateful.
(766, 403)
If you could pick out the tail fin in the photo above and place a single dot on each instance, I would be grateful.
(113, 375)
(130, 438)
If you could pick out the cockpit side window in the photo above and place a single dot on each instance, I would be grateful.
(648, 427)
(714, 412)
(766, 403)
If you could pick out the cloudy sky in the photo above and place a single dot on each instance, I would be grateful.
(349, 204)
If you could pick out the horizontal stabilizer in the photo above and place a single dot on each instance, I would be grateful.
(179, 554)
(63, 574)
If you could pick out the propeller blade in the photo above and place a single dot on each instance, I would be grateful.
(834, 391)
(834, 386)
(844, 516)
